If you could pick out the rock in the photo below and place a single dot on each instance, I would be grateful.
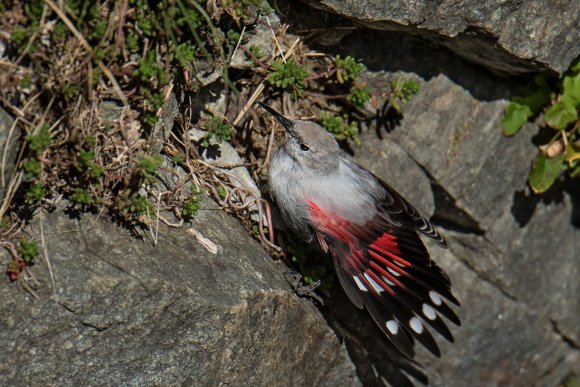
(502, 341)
(9, 148)
(224, 155)
(162, 129)
(124, 311)
(261, 38)
(506, 37)
(450, 133)
(516, 277)
(390, 162)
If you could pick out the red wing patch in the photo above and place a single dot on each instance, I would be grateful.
(387, 269)
(387, 242)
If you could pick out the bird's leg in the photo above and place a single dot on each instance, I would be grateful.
(300, 288)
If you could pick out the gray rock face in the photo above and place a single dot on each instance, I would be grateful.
(516, 277)
(390, 162)
(125, 312)
(513, 256)
(8, 151)
(504, 36)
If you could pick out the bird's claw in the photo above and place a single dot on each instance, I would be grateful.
(301, 289)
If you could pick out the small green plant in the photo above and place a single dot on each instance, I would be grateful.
(137, 205)
(150, 164)
(219, 129)
(239, 8)
(26, 82)
(82, 197)
(521, 109)
(39, 142)
(402, 91)
(177, 159)
(28, 250)
(221, 192)
(255, 50)
(288, 75)
(359, 95)
(149, 69)
(32, 167)
(35, 193)
(184, 54)
(341, 130)
(88, 164)
(560, 107)
(233, 36)
(190, 206)
(347, 68)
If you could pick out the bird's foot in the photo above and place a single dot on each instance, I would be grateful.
(301, 289)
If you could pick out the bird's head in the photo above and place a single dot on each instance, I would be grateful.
(309, 144)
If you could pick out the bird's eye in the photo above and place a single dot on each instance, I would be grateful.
(303, 147)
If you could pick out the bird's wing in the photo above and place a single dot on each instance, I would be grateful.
(384, 266)
(393, 205)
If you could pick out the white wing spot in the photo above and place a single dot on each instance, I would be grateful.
(429, 312)
(393, 272)
(374, 283)
(416, 324)
(392, 326)
(388, 281)
(434, 296)
(359, 283)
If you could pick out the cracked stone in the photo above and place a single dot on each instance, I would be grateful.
(171, 313)
(512, 260)
(9, 143)
(509, 37)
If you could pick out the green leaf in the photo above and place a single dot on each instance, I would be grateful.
(575, 66)
(571, 93)
(572, 152)
(544, 172)
(539, 98)
(516, 115)
(560, 115)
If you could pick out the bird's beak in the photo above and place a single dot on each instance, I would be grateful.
(285, 122)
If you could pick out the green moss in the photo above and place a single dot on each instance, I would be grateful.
(39, 142)
(35, 193)
(32, 167)
(28, 250)
(219, 129)
(150, 164)
(190, 206)
(88, 164)
(82, 197)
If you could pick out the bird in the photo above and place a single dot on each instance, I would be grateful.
(371, 231)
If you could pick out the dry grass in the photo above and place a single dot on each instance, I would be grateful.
(98, 81)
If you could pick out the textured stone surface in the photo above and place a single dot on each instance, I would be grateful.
(127, 312)
(514, 267)
(8, 151)
(390, 162)
(505, 36)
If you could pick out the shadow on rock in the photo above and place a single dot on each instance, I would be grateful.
(388, 120)
(525, 201)
(212, 152)
(375, 357)
(393, 51)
